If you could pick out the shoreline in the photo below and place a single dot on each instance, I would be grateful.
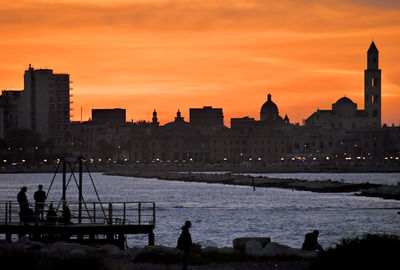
(205, 168)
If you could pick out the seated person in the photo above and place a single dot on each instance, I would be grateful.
(51, 216)
(66, 215)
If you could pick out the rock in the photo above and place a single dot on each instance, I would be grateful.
(158, 255)
(133, 251)
(196, 248)
(240, 243)
(111, 249)
(305, 254)
(215, 250)
(274, 249)
(5, 245)
(36, 245)
(253, 248)
(44, 251)
(226, 250)
(22, 243)
(65, 248)
(210, 250)
(77, 252)
(162, 250)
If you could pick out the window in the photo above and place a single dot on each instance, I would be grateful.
(374, 113)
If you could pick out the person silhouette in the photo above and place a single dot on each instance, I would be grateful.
(315, 245)
(51, 216)
(40, 197)
(23, 204)
(22, 200)
(66, 215)
(185, 243)
(308, 242)
(311, 242)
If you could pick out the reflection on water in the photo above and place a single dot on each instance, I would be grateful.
(219, 213)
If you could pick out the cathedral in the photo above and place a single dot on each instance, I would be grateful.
(344, 113)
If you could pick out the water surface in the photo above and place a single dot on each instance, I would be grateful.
(220, 213)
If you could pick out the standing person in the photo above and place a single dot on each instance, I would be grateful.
(23, 204)
(22, 200)
(40, 197)
(185, 243)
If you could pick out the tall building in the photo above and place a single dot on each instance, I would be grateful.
(372, 86)
(9, 104)
(45, 104)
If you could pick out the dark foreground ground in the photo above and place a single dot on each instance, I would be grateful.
(367, 252)
(227, 266)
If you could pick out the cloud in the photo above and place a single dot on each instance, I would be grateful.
(334, 71)
(304, 16)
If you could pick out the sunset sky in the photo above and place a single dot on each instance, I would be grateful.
(168, 55)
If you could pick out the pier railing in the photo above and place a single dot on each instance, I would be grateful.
(111, 213)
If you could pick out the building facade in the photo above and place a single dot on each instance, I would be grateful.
(42, 107)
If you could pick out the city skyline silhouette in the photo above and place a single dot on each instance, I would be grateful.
(170, 55)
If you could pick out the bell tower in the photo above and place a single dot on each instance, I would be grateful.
(155, 119)
(372, 87)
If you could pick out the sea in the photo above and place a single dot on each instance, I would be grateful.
(220, 213)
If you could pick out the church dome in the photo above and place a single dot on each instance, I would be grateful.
(344, 100)
(269, 111)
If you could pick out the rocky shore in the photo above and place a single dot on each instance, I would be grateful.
(246, 253)
(327, 186)
(366, 252)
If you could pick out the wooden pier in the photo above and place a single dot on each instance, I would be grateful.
(102, 223)
(87, 222)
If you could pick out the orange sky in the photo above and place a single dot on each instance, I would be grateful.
(168, 55)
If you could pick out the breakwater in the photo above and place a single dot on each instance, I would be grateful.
(326, 186)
